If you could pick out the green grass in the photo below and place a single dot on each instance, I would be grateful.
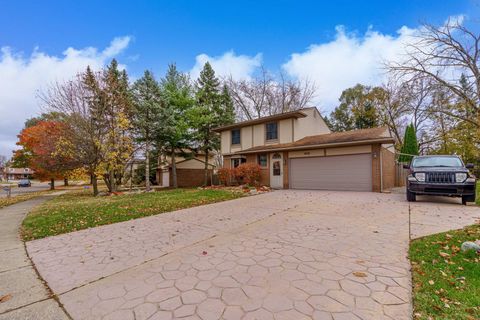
(80, 210)
(446, 281)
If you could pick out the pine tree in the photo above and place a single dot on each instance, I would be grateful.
(173, 132)
(228, 116)
(117, 116)
(410, 145)
(213, 108)
(146, 119)
(91, 129)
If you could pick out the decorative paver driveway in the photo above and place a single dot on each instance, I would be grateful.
(283, 255)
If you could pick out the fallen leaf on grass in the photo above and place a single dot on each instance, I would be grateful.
(444, 254)
(431, 282)
(5, 298)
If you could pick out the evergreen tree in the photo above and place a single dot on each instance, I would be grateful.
(173, 132)
(146, 119)
(410, 145)
(228, 107)
(213, 108)
(89, 128)
(118, 111)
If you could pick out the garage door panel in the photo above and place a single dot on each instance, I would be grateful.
(349, 172)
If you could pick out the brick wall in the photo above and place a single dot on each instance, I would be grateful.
(187, 178)
(285, 170)
(388, 168)
(376, 168)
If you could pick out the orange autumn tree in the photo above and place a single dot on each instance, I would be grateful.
(45, 146)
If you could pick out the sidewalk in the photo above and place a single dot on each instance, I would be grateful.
(22, 292)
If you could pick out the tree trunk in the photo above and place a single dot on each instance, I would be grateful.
(65, 182)
(147, 166)
(206, 168)
(174, 170)
(94, 184)
(52, 184)
(131, 176)
(112, 181)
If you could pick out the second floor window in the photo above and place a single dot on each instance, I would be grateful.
(236, 136)
(272, 132)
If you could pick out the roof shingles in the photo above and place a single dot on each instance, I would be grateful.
(362, 136)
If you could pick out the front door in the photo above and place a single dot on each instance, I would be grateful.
(276, 170)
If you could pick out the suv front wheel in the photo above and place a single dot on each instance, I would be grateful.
(465, 199)
(411, 197)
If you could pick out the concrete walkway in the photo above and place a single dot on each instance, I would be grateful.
(25, 296)
(283, 255)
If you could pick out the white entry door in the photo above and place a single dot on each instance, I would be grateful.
(276, 170)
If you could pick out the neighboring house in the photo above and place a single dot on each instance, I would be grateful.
(297, 150)
(190, 169)
(131, 170)
(17, 173)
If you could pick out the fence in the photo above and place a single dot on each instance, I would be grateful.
(400, 174)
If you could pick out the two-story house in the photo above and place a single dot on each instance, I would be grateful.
(297, 150)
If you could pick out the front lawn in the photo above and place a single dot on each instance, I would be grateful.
(446, 281)
(80, 210)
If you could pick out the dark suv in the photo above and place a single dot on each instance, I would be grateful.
(440, 176)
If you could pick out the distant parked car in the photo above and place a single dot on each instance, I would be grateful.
(24, 183)
(440, 176)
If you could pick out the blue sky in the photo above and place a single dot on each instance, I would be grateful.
(177, 31)
(302, 38)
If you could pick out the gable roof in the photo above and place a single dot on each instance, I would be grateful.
(286, 115)
(354, 137)
(169, 164)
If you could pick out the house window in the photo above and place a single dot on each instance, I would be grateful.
(262, 160)
(276, 168)
(277, 163)
(236, 136)
(238, 161)
(272, 131)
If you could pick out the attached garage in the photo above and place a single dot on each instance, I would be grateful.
(358, 160)
(343, 172)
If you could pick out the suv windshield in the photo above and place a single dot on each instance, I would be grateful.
(23, 181)
(437, 162)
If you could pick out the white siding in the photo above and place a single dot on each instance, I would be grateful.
(311, 125)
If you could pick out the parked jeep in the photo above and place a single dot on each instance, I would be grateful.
(440, 176)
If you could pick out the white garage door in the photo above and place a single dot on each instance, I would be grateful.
(349, 172)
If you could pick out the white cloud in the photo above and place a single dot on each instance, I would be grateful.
(347, 60)
(238, 66)
(22, 77)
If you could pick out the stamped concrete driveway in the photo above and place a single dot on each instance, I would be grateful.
(282, 255)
